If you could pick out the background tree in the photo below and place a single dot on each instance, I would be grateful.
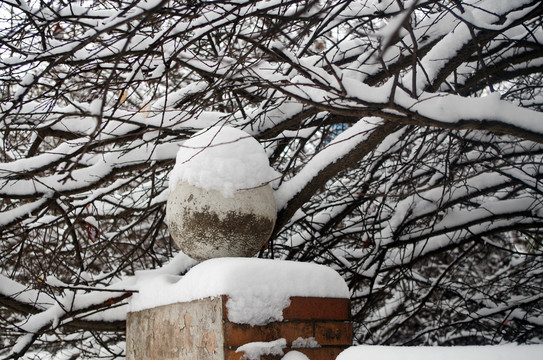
(407, 135)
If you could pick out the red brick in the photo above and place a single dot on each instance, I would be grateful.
(239, 334)
(334, 333)
(232, 355)
(305, 317)
(312, 308)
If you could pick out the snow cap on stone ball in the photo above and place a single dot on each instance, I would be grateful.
(222, 158)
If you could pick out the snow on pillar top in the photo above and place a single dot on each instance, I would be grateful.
(258, 289)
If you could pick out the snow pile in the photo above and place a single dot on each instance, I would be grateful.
(258, 289)
(295, 355)
(309, 342)
(254, 350)
(222, 158)
(498, 352)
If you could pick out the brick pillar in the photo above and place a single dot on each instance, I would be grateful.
(200, 330)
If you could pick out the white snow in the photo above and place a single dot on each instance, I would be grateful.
(95, 106)
(448, 108)
(258, 289)
(309, 342)
(499, 352)
(222, 158)
(294, 355)
(98, 168)
(54, 281)
(23, 294)
(9, 216)
(254, 350)
(92, 221)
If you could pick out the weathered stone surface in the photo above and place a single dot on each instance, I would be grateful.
(188, 331)
(206, 225)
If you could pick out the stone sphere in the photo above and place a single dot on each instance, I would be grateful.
(205, 224)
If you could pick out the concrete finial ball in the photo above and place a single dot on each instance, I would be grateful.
(220, 202)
